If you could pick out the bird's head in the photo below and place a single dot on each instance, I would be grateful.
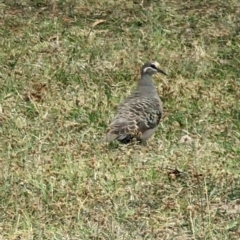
(151, 68)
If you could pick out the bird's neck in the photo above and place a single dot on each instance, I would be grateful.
(146, 82)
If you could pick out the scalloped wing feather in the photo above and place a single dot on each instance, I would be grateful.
(134, 117)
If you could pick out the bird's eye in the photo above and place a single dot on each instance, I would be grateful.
(153, 66)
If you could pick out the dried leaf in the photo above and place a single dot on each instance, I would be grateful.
(186, 139)
(98, 22)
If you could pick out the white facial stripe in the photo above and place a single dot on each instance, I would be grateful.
(156, 64)
(145, 69)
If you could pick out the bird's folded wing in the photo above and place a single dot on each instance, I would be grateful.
(133, 118)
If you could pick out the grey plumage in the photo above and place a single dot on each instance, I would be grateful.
(139, 115)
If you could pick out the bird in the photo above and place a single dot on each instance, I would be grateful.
(138, 116)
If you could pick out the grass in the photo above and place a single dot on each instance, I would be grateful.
(64, 72)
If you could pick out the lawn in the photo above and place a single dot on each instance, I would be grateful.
(65, 67)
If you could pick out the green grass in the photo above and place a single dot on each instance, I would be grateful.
(61, 81)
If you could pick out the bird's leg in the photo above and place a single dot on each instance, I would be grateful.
(143, 142)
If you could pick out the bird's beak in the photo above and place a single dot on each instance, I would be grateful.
(161, 71)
